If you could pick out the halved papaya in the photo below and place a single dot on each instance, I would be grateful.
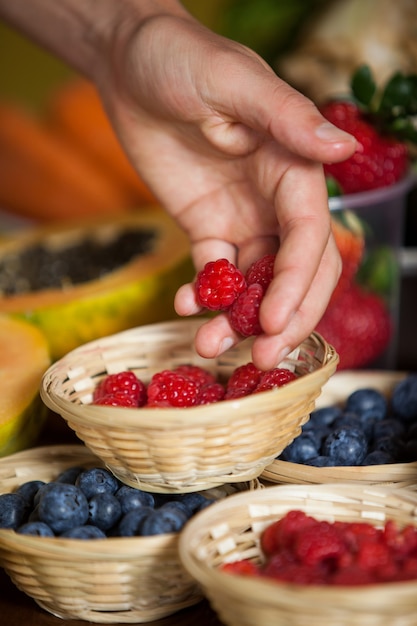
(83, 280)
(24, 357)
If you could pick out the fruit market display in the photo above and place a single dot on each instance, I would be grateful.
(87, 279)
(65, 161)
(186, 386)
(90, 503)
(301, 549)
(23, 359)
(368, 429)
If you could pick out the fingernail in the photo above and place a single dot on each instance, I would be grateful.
(226, 344)
(331, 133)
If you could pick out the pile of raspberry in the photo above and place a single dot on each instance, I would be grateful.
(303, 550)
(185, 386)
(221, 286)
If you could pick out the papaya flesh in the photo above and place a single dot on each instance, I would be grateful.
(79, 292)
(24, 357)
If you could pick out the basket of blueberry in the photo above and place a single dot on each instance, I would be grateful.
(363, 430)
(164, 419)
(332, 554)
(85, 546)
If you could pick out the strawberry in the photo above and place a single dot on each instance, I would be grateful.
(382, 122)
(348, 233)
(358, 326)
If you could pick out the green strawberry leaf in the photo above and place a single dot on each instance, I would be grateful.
(333, 187)
(400, 95)
(363, 85)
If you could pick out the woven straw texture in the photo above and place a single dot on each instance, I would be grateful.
(113, 580)
(169, 450)
(230, 530)
(335, 391)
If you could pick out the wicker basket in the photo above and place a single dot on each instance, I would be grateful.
(112, 580)
(230, 530)
(336, 390)
(169, 450)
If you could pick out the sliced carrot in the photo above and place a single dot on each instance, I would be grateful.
(43, 177)
(75, 109)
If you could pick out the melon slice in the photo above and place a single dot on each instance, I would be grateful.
(83, 303)
(24, 357)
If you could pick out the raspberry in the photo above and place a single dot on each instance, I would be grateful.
(281, 534)
(319, 543)
(211, 392)
(243, 568)
(168, 388)
(243, 381)
(244, 313)
(122, 383)
(261, 271)
(218, 285)
(277, 377)
(196, 373)
(118, 398)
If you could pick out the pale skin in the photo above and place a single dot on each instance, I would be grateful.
(232, 152)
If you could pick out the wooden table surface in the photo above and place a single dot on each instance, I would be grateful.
(17, 609)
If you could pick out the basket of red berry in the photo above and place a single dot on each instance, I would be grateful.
(334, 555)
(85, 546)
(363, 430)
(164, 419)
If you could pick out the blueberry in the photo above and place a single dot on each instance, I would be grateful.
(378, 457)
(324, 416)
(62, 507)
(69, 475)
(388, 427)
(404, 398)
(393, 445)
(176, 505)
(163, 520)
(194, 501)
(348, 420)
(13, 510)
(131, 498)
(346, 446)
(366, 399)
(318, 433)
(319, 461)
(104, 510)
(84, 532)
(42, 489)
(29, 489)
(37, 529)
(97, 480)
(302, 448)
(130, 524)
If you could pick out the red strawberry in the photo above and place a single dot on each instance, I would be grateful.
(381, 119)
(358, 326)
(349, 236)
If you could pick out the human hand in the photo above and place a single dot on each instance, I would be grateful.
(234, 154)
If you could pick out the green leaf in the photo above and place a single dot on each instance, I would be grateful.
(363, 85)
(400, 95)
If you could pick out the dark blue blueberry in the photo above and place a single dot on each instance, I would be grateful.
(164, 520)
(131, 498)
(348, 420)
(346, 447)
(378, 457)
(69, 475)
(319, 433)
(131, 523)
(104, 510)
(367, 399)
(13, 510)
(42, 489)
(393, 445)
(37, 529)
(404, 398)
(302, 448)
(29, 489)
(319, 461)
(179, 506)
(84, 532)
(194, 501)
(324, 416)
(389, 427)
(63, 507)
(97, 480)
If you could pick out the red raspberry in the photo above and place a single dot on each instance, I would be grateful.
(118, 398)
(244, 313)
(218, 285)
(261, 271)
(242, 568)
(125, 382)
(282, 533)
(243, 381)
(168, 388)
(196, 373)
(318, 544)
(212, 392)
(373, 555)
(277, 377)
